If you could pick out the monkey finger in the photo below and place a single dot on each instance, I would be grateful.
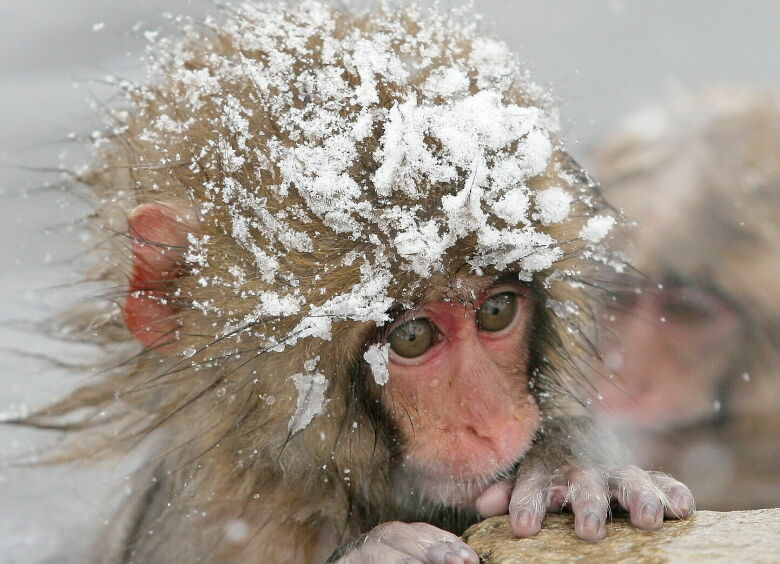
(495, 500)
(679, 500)
(637, 493)
(589, 498)
(528, 503)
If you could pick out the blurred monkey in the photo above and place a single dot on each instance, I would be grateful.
(693, 334)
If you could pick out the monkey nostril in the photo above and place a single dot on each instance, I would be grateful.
(479, 433)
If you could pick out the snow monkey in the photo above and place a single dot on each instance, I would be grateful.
(696, 350)
(352, 253)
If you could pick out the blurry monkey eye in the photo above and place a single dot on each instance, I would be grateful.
(412, 338)
(497, 312)
(690, 306)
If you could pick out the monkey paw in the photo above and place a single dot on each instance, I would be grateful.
(588, 493)
(409, 543)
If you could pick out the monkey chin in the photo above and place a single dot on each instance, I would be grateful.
(443, 483)
(420, 487)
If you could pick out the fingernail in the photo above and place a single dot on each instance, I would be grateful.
(466, 553)
(523, 518)
(648, 512)
(686, 504)
(591, 522)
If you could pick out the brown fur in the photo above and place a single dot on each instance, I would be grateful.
(225, 451)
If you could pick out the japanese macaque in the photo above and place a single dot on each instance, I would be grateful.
(693, 339)
(352, 253)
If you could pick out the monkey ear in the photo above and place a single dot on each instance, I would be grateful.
(159, 236)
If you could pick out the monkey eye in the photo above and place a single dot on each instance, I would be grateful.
(689, 306)
(497, 312)
(412, 338)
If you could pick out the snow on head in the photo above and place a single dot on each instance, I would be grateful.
(553, 205)
(597, 228)
(380, 146)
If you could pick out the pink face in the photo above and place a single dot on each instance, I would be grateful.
(669, 350)
(458, 386)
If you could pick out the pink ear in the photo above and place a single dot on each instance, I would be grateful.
(159, 239)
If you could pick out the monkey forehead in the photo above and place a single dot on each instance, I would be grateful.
(464, 288)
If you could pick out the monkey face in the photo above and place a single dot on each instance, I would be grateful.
(670, 348)
(458, 387)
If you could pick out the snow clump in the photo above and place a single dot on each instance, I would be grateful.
(377, 356)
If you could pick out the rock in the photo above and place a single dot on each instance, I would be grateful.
(708, 536)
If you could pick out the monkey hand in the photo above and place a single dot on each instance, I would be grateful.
(395, 542)
(588, 492)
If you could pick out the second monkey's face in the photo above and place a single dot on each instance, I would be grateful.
(669, 348)
(458, 388)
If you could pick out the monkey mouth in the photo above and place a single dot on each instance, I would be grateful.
(452, 488)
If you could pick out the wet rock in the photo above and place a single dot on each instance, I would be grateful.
(709, 536)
